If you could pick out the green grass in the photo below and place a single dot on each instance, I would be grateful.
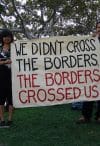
(49, 126)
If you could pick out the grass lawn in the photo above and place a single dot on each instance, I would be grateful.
(49, 126)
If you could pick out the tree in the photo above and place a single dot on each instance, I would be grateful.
(37, 18)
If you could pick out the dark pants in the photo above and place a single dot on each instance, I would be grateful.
(87, 109)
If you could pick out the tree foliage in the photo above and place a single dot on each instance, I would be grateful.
(36, 18)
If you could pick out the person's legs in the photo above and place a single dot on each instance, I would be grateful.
(10, 112)
(87, 110)
(2, 121)
(2, 112)
(9, 102)
(98, 111)
(2, 101)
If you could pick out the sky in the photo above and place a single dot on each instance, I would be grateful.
(22, 1)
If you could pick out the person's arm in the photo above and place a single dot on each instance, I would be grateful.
(5, 61)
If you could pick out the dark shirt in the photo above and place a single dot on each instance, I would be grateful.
(5, 73)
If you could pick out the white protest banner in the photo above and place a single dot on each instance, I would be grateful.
(55, 70)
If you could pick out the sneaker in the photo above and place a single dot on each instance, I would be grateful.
(3, 125)
(82, 120)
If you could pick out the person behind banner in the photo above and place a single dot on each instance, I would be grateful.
(5, 78)
(87, 108)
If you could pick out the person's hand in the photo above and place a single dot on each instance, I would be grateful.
(94, 34)
(8, 61)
